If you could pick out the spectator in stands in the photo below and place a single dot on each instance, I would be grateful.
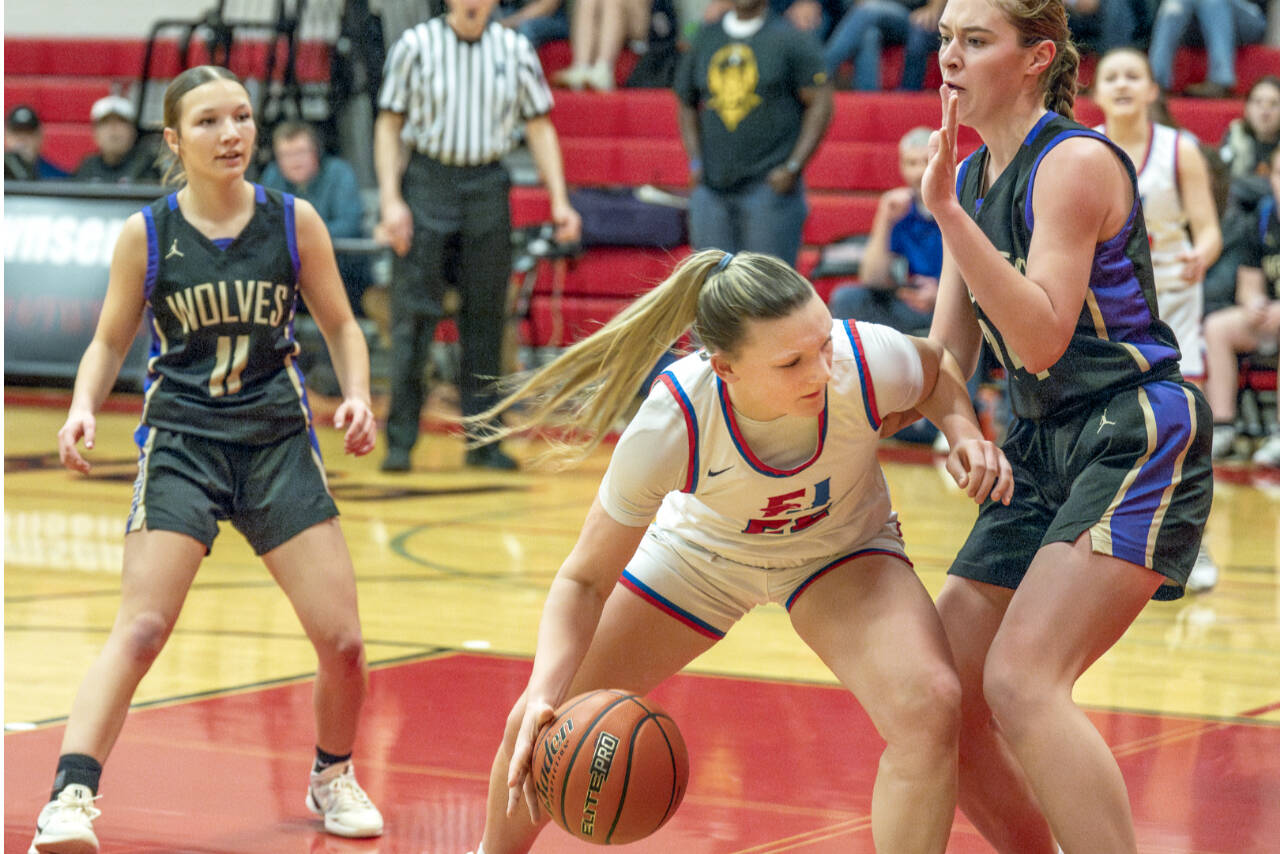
(871, 24)
(540, 21)
(1223, 25)
(445, 209)
(121, 158)
(817, 17)
(1101, 26)
(1251, 326)
(23, 140)
(601, 28)
(903, 255)
(302, 168)
(754, 104)
(1247, 145)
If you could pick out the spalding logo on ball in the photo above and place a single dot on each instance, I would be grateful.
(611, 768)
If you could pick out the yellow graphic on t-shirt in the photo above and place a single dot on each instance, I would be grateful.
(732, 78)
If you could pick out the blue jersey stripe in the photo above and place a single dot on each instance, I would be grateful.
(153, 253)
(290, 231)
(1131, 528)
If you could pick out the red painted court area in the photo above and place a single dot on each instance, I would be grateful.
(775, 766)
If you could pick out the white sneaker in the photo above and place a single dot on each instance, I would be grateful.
(1224, 439)
(1269, 453)
(347, 810)
(65, 825)
(574, 77)
(600, 77)
(1204, 574)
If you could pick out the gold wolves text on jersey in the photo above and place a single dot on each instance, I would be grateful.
(221, 316)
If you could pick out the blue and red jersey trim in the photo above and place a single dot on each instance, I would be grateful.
(740, 441)
(864, 374)
(795, 594)
(665, 605)
(669, 380)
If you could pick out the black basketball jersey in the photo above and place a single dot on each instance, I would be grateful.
(1119, 341)
(221, 318)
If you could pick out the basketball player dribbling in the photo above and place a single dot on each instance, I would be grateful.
(225, 433)
(749, 475)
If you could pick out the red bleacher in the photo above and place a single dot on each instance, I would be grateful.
(629, 137)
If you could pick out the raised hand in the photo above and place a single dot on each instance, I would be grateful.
(938, 187)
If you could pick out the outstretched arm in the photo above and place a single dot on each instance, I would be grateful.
(117, 325)
(569, 620)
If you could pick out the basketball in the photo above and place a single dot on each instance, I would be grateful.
(611, 768)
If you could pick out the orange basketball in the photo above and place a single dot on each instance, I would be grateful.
(611, 768)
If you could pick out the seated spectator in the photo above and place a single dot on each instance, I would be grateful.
(329, 184)
(1101, 26)
(121, 158)
(23, 140)
(903, 255)
(601, 28)
(871, 24)
(1252, 325)
(1247, 145)
(1222, 26)
(540, 21)
(900, 265)
(816, 17)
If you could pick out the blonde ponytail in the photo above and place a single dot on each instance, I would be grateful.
(581, 394)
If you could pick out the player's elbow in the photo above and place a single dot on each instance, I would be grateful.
(1041, 358)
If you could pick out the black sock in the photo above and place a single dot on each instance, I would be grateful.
(325, 760)
(76, 768)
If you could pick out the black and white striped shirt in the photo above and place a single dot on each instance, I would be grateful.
(463, 101)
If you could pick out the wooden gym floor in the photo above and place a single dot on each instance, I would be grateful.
(452, 567)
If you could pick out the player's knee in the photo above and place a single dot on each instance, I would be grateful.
(342, 650)
(1015, 696)
(927, 709)
(145, 635)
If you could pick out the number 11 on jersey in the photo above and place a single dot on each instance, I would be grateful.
(228, 364)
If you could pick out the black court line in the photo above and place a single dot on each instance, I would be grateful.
(425, 653)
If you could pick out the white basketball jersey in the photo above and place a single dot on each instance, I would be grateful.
(734, 504)
(1167, 225)
(1181, 303)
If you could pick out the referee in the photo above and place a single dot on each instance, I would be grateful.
(455, 91)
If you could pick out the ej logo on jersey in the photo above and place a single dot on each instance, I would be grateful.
(793, 511)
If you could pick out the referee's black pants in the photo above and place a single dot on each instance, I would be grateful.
(461, 237)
